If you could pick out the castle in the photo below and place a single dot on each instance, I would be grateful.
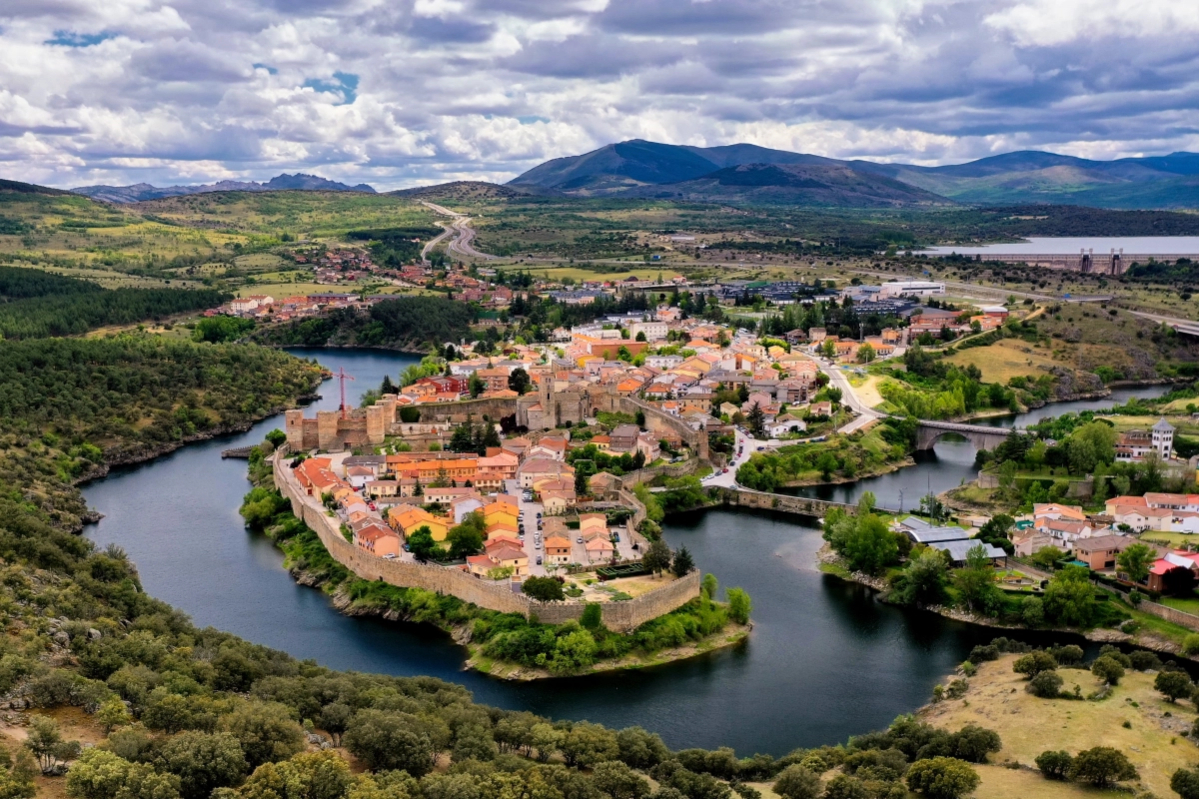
(330, 432)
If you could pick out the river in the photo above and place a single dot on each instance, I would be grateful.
(825, 661)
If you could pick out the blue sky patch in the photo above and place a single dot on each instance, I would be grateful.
(343, 83)
(269, 69)
(72, 39)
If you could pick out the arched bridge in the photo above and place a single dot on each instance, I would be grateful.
(980, 436)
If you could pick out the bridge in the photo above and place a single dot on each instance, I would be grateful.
(980, 436)
(1115, 262)
(242, 453)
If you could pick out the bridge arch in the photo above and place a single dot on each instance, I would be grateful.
(980, 436)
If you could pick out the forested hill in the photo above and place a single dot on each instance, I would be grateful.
(36, 304)
(405, 323)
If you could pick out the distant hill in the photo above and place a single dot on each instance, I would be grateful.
(28, 188)
(462, 190)
(1028, 177)
(144, 191)
(829, 184)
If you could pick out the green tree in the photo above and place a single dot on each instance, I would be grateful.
(657, 557)
(99, 774)
(1174, 685)
(755, 421)
(475, 385)
(467, 538)
(1070, 597)
(543, 589)
(975, 582)
(863, 540)
(1136, 560)
(574, 651)
(422, 546)
(1055, 765)
(386, 740)
(1107, 669)
(266, 731)
(924, 581)
(312, 775)
(277, 437)
(740, 605)
(113, 714)
(942, 778)
(1185, 783)
(586, 744)
(1101, 766)
(1045, 557)
(519, 381)
(1047, 684)
(46, 743)
(797, 782)
(202, 761)
(866, 353)
(619, 781)
(1033, 663)
(334, 719)
(709, 585)
(684, 564)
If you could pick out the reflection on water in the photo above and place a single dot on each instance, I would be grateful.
(825, 661)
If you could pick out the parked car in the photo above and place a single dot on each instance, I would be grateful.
(538, 560)
(390, 556)
(407, 548)
(616, 537)
(580, 539)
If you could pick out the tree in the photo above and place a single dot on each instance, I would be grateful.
(543, 589)
(475, 385)
(1101, 766)
(975, 582)
(421, 544)
(709, 585)
(113, 714)
(100, 774)
(1107, 669)
(684, 564)
(334, 719)
(755, 420)
(829, 349)
(1136, 560)
(866, 353)
(657, 557)
(740, 605)
(1054, 765)
(619, 781)
(1185, 783)
(1033, 663)
(797, 782)
(266, 732)
(1045, 557)
(1174, 685)
(387, 740)
(641, 749)
(863, 540)
(312, 775)
(587, 744)
(1047, 684)
(47, 744)
(924, 580)
(276, 437)
(519, 381)
(466, 539)
(1070, 597)
(942, 778)
(202, 761)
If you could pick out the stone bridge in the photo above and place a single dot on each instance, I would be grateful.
(980, 436)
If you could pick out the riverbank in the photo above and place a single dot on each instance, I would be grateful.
(1150, 632)
(877, 471)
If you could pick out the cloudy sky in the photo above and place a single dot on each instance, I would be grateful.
(404, 92)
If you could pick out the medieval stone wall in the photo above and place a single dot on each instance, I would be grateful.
(619, 616)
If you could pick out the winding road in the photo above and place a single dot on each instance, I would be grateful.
(463, 234)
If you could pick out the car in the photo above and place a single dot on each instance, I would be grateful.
(538, 514)
(637, 547)
(407, 548)
(538, 560)
(725, 470)
(536, 545)
(579, 539)
(390, 556)
(616, 537)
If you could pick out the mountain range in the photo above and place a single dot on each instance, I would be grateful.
(749, 173)
(144, 191)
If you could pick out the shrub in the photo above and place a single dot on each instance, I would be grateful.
(1055, 765)
(1185, 783)
(797, 782)
(982, 653)
(1101, 766)
(1069, 655)
(1145, 661)
(1034, 663)
(1174, 685)
(1190, 644)
(1046, 685)
(942, 778)
(1108, 670)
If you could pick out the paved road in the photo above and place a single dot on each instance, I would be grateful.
(431, 243)
(464, 234)
(866, 414)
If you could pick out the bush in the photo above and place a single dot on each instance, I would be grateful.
(1101, 766)
(796, 782)
(1055, 765)
(1108, 670)
(543, 589)
(1185, 783)
(1190, 644)
(1046, 685)
(1145, 661)
(983, 653)
(942, 778)
(1034, 663)
(1069, 655)
(1174, 685)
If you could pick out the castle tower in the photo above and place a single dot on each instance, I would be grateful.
(326, 430)
(293, 425)
(1163, 438)
(376, 423)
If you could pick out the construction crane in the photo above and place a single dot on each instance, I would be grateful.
(341, 374)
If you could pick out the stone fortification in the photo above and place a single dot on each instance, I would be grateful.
(619, 616)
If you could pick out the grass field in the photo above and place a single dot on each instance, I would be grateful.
(1154, 740)
(1170, 539)
(1006, 359)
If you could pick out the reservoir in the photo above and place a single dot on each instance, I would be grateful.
(1141, 245)
(825, 661)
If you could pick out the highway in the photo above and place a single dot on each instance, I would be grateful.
(464, 234)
